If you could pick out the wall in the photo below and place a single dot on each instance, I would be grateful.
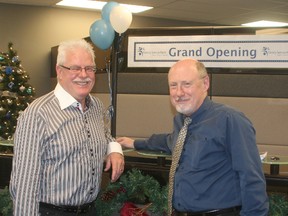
(34, 30)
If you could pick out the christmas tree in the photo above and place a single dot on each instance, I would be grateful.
(15, 92)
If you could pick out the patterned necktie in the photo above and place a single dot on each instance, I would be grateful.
(175, 159)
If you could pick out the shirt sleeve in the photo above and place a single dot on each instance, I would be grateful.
(157, 142)
(246, 162)
(161, 142)
(24, 183)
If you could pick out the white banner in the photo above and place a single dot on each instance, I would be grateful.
(241, 51)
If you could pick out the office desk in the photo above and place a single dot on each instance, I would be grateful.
(157, 164)
(161, 156)
(6, 143)
(275, 161)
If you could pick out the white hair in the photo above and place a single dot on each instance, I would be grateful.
(71, 46)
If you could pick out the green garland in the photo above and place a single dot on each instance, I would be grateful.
(6, 205)
(278, 204)
(133, 187)
(141, 189)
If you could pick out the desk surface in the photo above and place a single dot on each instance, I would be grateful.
(125, 150)
(275, 159)
(6, 143)
(269, 159)
(154, 154)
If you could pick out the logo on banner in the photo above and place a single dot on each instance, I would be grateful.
(142, 52)
(267, 51)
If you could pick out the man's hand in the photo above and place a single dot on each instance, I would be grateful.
(126, 142)
(116, 161)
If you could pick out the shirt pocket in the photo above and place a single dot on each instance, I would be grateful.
(203, 152)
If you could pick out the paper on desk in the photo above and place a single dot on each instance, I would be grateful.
(263, 155)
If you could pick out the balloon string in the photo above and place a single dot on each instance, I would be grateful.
(119, 42)
(110, 108)
(108, 70)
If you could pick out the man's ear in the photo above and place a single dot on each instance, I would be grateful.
(58, 71)
(206, 81)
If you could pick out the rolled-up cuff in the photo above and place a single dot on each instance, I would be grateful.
(114, 147)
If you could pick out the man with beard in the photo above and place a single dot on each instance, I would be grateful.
(219, 171)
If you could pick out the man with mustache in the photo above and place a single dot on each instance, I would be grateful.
(61, 142)
(219, 171)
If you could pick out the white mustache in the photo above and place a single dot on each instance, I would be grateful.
(83, 80)
(178, 99)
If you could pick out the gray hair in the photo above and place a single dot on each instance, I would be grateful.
(72, 46)
(201, 69)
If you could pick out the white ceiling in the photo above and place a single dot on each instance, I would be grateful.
(215, 12)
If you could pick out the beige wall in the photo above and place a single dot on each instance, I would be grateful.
(139, 116)
(34, 30)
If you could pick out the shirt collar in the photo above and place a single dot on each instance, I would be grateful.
(204, 106)
(66, 100)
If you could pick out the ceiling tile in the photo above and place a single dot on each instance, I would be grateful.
(214, 12)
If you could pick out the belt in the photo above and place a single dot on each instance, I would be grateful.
(214, 212)
(72, 209)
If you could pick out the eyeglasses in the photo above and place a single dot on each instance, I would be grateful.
(78, 69)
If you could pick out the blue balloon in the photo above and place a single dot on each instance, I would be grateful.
(106, 10)
(102, 34)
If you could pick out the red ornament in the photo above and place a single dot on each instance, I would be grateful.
(130, 209)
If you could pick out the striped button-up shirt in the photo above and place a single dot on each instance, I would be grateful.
(59, 150)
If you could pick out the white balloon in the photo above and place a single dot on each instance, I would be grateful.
(120, 18)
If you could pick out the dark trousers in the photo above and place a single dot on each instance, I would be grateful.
(204, 214)
(234, 211)
(45, 210)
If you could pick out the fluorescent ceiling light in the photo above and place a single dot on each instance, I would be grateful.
(264, 23)
(98, 5)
